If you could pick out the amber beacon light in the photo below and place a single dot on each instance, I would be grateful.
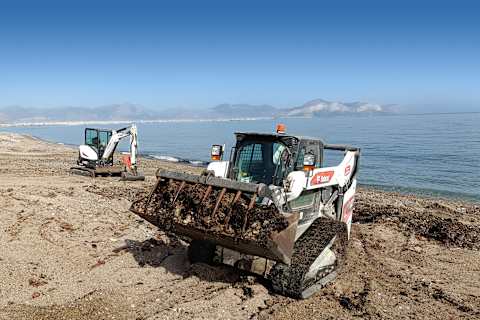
(280, 128)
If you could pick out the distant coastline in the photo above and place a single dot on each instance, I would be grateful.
(108, 122)
(189, 120)
(117, 113)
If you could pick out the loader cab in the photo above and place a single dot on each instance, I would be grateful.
(97, 139)
(269, 158)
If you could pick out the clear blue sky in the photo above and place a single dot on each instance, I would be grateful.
(202, 53)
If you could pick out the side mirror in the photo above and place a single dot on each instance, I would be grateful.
(217, 152)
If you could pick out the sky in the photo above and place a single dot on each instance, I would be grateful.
(421, 55)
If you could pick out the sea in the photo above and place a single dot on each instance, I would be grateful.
(425, 154)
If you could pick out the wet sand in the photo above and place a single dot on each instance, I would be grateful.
(408, 256)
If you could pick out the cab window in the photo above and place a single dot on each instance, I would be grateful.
(278, 150)
(250, 163)
(104, 137)
(280, 161)
(91, 137)
(300, 157)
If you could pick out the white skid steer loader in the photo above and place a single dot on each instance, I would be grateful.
(272, 209)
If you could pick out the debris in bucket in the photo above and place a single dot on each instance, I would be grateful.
(198, 205)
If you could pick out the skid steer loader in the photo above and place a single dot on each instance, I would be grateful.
(272, 209)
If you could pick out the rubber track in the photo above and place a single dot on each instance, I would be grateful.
(290, 280)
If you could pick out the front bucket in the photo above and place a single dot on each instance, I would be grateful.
(222, 211)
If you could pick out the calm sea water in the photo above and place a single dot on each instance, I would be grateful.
(435, 154)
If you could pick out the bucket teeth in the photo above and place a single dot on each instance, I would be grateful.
(207, 193)
(232, 205)
(219, 200)
(150, 195)
(182, 185)
(250, 207)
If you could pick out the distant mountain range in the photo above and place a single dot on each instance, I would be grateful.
(319, 107)
(127, 111)
(103, 113)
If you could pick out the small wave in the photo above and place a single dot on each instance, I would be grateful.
(166, 158)
(197, 163)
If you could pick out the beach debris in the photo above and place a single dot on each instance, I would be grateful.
(98, 264)
(36, 282)
(66, 226)
(429, 221)
(120, 248)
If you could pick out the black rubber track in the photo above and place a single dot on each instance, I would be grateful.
(290, 280)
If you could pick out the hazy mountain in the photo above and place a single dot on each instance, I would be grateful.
(127, 111)
(244, 110)
(319, 107)
(17, 114)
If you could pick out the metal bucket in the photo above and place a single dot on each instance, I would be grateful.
(219, 210)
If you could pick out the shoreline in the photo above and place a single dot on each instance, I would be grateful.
(394, 189)
(61, 236)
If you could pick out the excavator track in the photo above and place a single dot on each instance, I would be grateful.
(83, 171)
(114, 170)
(297, 280)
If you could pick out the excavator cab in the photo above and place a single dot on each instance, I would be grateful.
(98, 139)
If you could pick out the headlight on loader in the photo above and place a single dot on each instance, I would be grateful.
(309, 162)
(217, 152)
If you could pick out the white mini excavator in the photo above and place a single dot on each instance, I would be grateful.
(95, 156)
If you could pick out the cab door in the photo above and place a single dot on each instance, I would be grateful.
(91, 139)
(103, 139)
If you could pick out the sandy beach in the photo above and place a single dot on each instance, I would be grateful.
(72, 250)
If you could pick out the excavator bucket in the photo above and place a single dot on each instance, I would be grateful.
(226, 212)
(127, 176)
(130, 173)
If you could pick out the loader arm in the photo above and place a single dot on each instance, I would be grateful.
(338, 182)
